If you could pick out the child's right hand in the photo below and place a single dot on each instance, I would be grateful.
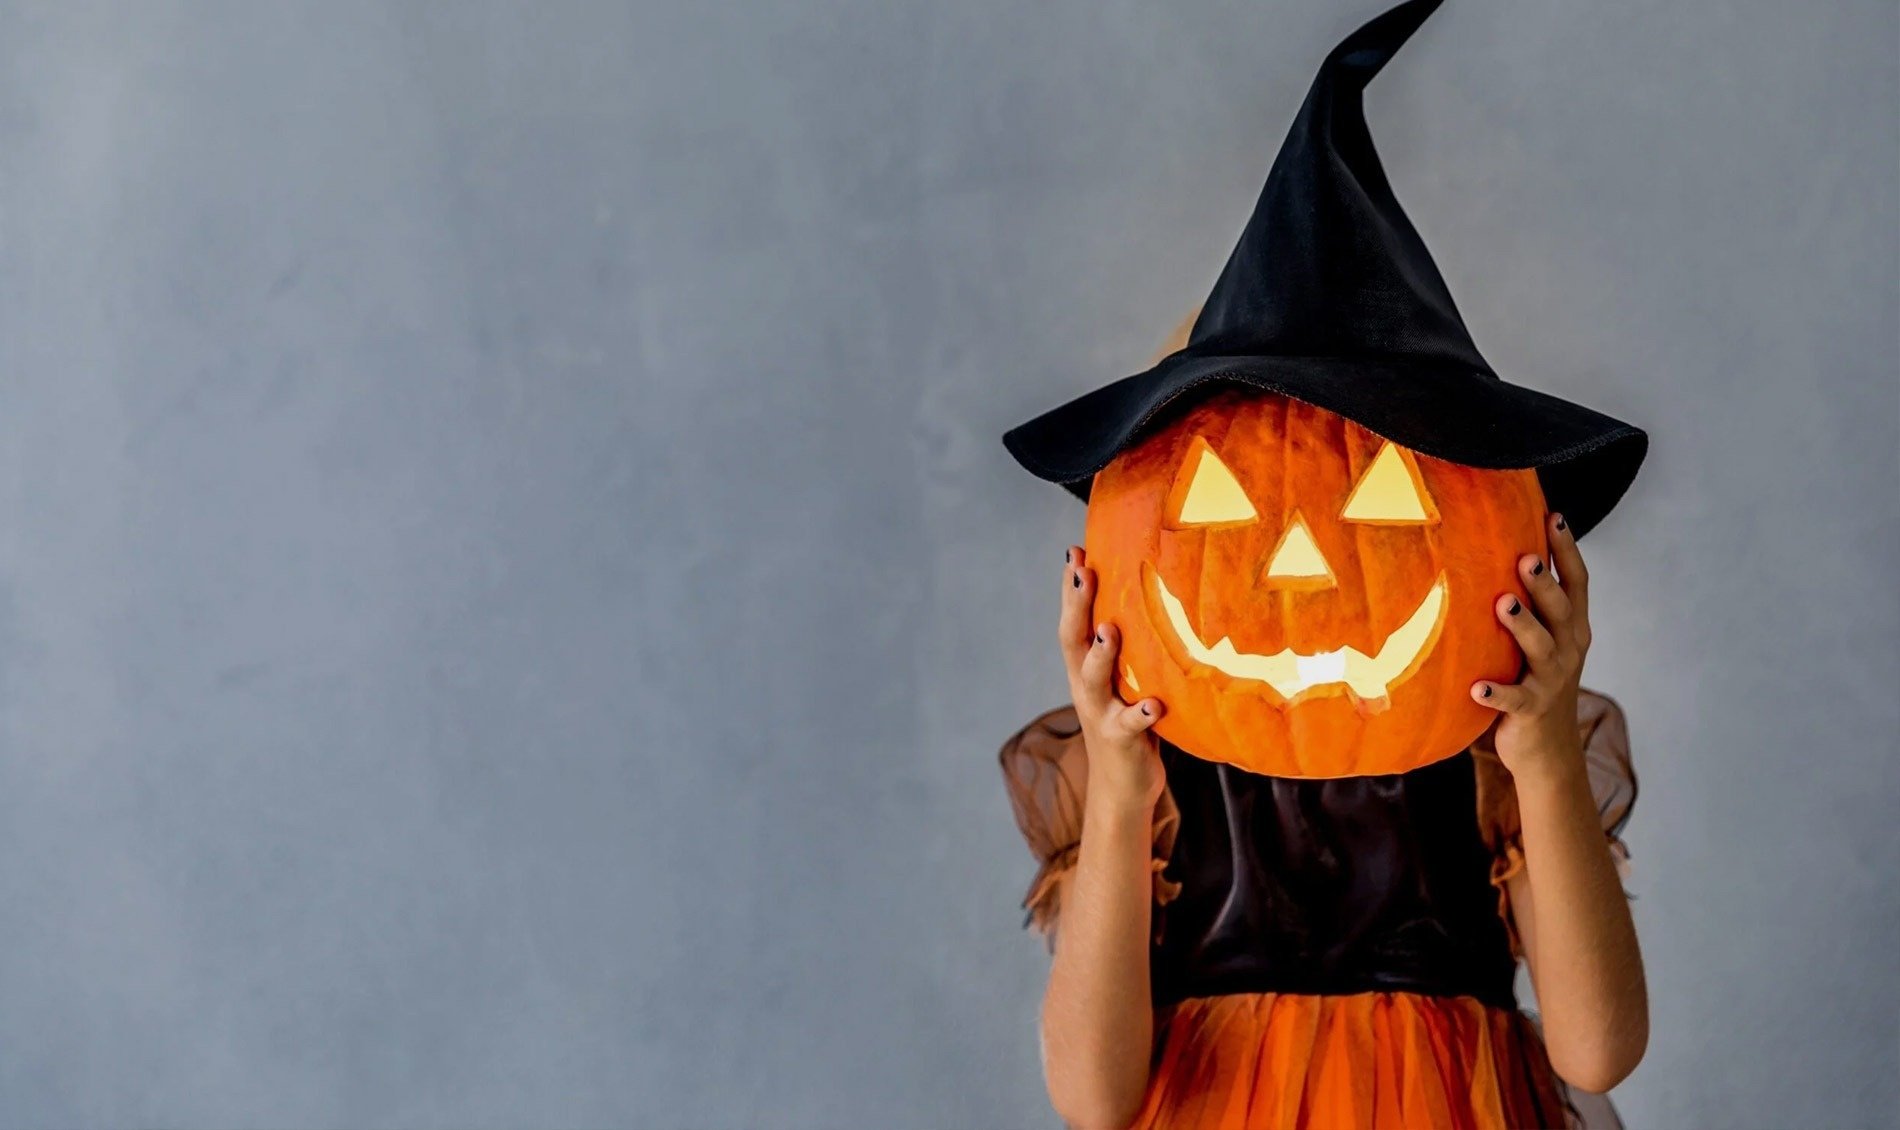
(1124, 757)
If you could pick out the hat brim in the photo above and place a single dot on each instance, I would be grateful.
(1584, 459)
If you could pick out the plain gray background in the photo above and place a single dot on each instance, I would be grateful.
(510, 589)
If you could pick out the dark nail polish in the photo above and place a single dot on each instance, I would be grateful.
(1485, 691)
(1099, 637)
(1145, 710)
(1561, 524)
(1077, 578)
(1537, 569)
(1069, 554)
(1515, 607)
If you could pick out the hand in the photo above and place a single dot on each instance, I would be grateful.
(1538, 727)
(1124, 758)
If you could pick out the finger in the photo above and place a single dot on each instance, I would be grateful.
(1078, 600)
(1096, 684)
(1547, 596)
(1569, 561)
(1507, 698)
(1532, 637)
(1137, 717)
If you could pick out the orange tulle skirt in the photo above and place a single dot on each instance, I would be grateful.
(1361, 1061)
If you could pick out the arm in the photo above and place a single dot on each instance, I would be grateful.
(1578, 936)
(1097, 1019)
(1567, 901)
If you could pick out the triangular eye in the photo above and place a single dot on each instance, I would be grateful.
(1390, 492)
(1205, 492)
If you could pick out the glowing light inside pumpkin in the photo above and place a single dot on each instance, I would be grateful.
(1213, 495)
(1290, 673)
(1390, 491)
(1298, 558)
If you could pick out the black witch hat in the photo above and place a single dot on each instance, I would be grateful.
(1331, 298)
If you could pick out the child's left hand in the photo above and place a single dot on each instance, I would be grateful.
(1538, 729)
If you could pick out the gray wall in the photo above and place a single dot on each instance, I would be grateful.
(509, 588)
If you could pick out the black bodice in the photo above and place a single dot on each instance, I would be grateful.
(1354, 884)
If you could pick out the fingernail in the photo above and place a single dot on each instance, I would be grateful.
(1514, 608)
(1069, 554)
(1484, 691)
(1077, 578)
(1536, 568)
(1145, 710)
(1100, 636)
(1561, 524)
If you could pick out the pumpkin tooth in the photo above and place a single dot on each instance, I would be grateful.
(1289, 673)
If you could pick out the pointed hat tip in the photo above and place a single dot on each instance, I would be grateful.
(1365, 52)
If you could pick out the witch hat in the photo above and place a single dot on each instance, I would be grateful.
(1331, 298)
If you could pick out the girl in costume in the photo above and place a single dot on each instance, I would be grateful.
(1291, 888)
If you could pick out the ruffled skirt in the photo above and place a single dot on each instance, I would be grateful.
(1362, 1061)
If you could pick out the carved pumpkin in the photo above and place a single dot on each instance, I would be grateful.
(1306, 598)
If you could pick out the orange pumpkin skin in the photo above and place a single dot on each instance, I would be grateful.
(1291, 458)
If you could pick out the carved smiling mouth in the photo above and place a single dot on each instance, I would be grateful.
(1291, 674)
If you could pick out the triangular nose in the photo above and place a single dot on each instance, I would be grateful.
(1297, 561)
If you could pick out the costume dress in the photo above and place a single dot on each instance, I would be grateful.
(1330, 952)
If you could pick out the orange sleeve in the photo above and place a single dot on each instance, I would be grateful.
(1045, 770)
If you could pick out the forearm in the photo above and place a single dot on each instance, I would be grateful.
(1097, 1017)
(1587, 969)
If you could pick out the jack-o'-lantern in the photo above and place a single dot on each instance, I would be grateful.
(1307, 598)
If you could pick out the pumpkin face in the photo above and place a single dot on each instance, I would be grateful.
(1306, 598)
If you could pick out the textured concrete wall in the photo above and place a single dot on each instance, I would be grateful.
(509, 587)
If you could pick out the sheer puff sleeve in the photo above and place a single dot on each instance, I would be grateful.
(1045, 769)
(1606, 755)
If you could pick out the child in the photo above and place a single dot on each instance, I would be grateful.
(1238, 949)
